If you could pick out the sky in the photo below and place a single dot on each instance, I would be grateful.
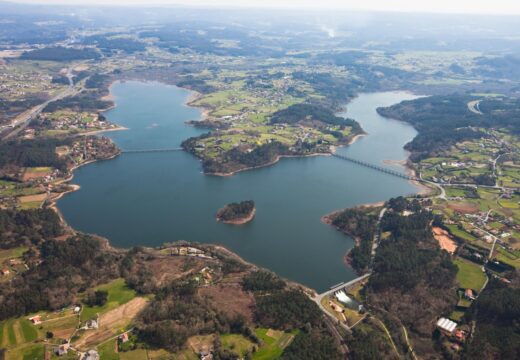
(507, 7)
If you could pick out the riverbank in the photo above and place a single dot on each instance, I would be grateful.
(277, 159)
(187, 211)
(97, 132)
(333, 150)
(361, 224)
(190, 102)
(52, 202)
(327, 217)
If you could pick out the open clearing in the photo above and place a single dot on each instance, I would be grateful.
(36, 172)
(231, 299)
(469, 275)
(33, 198)
(118, 294)
(274, 343)
(112, 323)
(464, 207)
(444, 240)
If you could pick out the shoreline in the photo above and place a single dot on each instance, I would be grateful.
(424, 190)
(194, 96)
(96, 132)
(326, 219)
(279, 157)
(310, 291)
(70, 231)
(53, 201)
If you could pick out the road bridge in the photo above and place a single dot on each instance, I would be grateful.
(318, 298)
(341, 286)
(137, 151)
(376, 167)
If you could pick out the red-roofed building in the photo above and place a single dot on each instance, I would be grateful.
(469, 294)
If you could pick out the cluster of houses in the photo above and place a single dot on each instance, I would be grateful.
(43, 183)
(188, 251)
(13, 265)
(84, 149)
(8, 202)
(16, 84)
(88, 148)
(75, 121)
(92, 147)
(63, 349)
(301, 135)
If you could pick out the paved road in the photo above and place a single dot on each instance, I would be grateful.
(375, 241)
(318, 298)
(474, 107)
(342, 286)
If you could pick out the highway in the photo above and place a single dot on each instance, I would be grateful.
(25, 118)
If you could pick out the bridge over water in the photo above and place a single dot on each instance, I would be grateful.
(376, 167)
(342, 157)
(137, 151)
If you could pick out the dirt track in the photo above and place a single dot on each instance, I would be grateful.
(110, 322)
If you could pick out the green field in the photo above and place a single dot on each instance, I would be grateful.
(454, 191)
(469, 275)
(236, 343)
(15, 332)
(12, 254)
(509, 257)
(29, 352)
(118, 294)
(60, 323)
(138, 354)
(29, 332)
(456, 315)
(107, 351)
(456, 231)
(273, 344)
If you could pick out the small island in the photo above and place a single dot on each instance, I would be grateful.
(237, 213)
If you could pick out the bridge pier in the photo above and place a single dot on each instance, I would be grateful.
(375, 167)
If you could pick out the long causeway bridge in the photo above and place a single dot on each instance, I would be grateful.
(150, 150)
(376, 167)
(342, 157)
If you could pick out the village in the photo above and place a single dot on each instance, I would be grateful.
(240, 112)
(23, 86)
(68, 123)
(34, 187)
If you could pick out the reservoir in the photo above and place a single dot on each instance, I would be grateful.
(152, 198)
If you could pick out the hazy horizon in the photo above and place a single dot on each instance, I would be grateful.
(499, 7)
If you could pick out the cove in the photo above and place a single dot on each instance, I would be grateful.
(151, 198)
